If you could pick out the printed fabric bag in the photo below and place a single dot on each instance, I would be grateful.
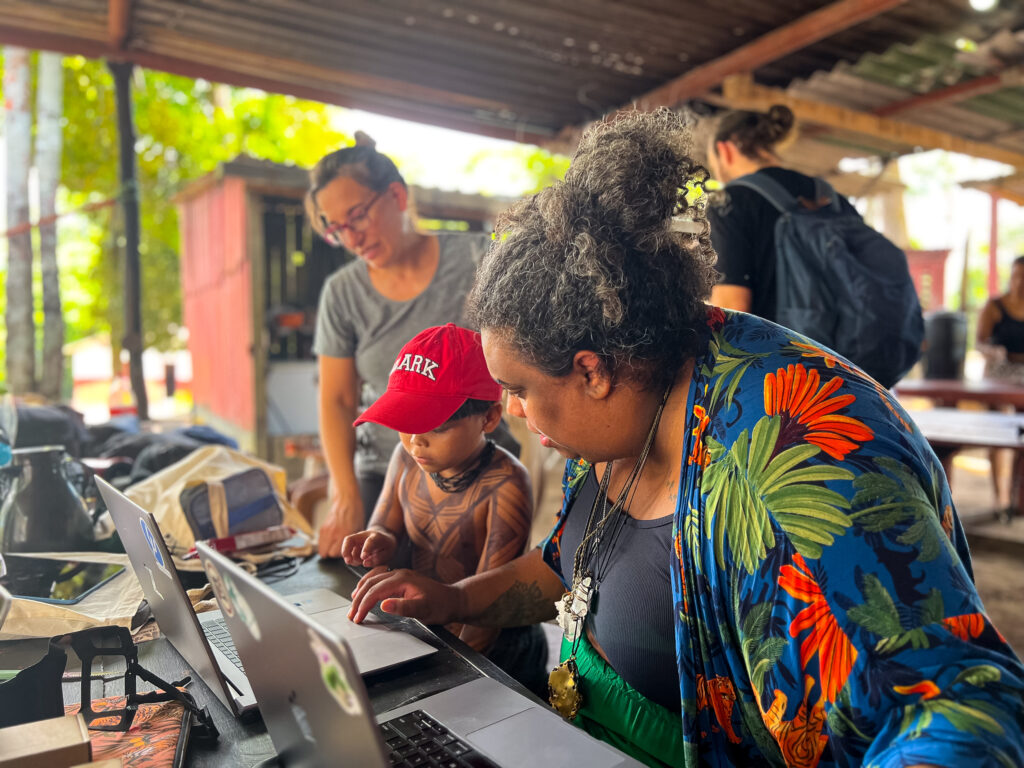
(161, 494)
(240, 503)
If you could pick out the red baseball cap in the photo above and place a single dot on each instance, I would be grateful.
(433, 376)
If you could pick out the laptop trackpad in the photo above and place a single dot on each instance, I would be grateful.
(550, 741)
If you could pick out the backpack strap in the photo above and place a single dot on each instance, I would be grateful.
(769, 189)
(780, 197)
(824, 191)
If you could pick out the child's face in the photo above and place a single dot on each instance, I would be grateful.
(449, 446)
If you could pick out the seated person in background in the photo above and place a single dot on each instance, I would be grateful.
(1001, 340)
(1001, 330)
(463, 502)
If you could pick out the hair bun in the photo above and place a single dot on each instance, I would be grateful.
(363, 140)
(782, 119)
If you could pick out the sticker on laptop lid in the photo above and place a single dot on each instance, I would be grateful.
(334, 677)
(150, 536)
(231, 601)
(217, 583)
(240, 606)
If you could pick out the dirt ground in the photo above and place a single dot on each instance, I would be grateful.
(1000, 581)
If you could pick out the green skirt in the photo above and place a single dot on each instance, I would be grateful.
(617, 713)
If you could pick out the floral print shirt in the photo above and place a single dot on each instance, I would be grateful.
(825, 610)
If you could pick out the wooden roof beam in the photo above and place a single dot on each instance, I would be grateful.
(119, 18)
(330, 86)
(740, 91)
(772, 46)
(968, 89)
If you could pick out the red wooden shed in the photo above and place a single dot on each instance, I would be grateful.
(252, 271)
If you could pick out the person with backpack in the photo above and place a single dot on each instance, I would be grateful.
(793, 251)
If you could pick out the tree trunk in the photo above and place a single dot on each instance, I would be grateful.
(49, 108)
(21, 333)
(122, 72)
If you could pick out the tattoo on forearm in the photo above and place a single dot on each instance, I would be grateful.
(519, 605)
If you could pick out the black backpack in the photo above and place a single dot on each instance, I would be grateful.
(842, 283)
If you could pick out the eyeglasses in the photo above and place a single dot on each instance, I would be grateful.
(357, 222)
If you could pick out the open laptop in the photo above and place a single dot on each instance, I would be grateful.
(317, 711)
(203, 639)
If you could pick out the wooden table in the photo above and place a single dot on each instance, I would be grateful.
(244, 742)
(948, 392)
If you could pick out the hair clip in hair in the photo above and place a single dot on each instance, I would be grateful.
(687, 226)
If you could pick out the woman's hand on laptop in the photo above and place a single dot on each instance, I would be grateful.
(346, 516)
(404, 593)
(369, 548)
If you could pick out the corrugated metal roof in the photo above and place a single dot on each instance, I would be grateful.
(527, 69)
(523, 68)
(929, 65)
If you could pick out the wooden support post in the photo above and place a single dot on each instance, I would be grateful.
(122, 72)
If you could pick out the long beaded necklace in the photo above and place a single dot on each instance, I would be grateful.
(564, 680)
(463, 480)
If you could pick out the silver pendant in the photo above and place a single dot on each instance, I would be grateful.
(573, 607)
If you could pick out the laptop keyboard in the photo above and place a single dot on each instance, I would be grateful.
(417, 740)
(216, 632)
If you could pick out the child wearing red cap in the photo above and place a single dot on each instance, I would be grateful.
(463, 502)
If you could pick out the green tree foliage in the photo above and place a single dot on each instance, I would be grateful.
(185, 128)
(521, 166)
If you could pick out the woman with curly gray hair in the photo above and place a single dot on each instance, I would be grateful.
(757, 560)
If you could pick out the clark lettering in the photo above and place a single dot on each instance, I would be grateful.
(416, 364)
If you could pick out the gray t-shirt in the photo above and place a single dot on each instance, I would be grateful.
(354, 320)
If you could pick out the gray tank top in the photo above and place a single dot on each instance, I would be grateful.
(631, 617)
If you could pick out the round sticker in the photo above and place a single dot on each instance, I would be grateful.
(333, 675)
(241, 606)
(158, 556)
(223, 598)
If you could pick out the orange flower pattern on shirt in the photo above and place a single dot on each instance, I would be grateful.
(811, 412)
(831, 360)
(967, 626)
(836, 654)
(715, 318)
(800, 740)
(926, 688)
(947, 521)
(699, 453)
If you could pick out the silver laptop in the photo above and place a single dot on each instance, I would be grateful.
(203, 639)
(317, 712)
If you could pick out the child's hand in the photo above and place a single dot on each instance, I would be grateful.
(369, 548)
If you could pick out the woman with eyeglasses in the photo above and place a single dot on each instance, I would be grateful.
(401, 282)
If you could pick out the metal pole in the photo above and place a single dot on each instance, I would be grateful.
(132, 341)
